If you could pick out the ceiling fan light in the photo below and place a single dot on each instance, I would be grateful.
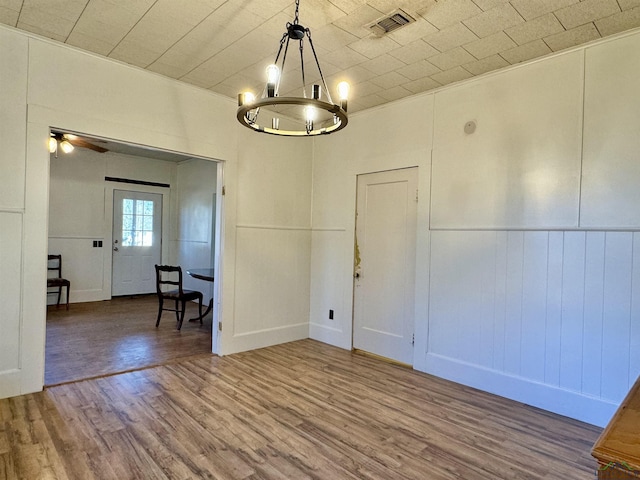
(66, 146)
(53, 145)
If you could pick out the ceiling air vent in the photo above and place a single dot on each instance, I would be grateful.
(391, 22)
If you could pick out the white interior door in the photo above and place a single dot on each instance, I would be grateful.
(137, 246)
(384, 274)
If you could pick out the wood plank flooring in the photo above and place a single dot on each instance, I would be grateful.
(101, 338)
(303, 410)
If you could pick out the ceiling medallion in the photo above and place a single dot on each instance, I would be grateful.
(305, 115)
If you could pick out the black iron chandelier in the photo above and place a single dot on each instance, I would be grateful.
(307, 115)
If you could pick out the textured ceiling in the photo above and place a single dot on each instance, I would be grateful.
(225, 45)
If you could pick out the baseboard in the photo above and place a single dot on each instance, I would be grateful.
(329, 335)
(595, 411)
(264, 338)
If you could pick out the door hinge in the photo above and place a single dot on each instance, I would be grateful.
(416, 194)
(224, 190)
(413, 339)
(219, 326)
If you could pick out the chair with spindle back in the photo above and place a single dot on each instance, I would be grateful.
(172, 276)
(54, 264)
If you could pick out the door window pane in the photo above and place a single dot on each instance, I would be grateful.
(137, 223)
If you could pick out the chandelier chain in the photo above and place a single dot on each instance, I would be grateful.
(295, 20)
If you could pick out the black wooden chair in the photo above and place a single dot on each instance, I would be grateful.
(172, 276)
(54, 264)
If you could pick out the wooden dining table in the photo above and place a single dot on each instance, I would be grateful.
(206, 274)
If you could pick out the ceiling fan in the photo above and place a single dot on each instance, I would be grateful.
(67, 141)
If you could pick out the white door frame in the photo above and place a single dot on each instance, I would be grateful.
(356, 270)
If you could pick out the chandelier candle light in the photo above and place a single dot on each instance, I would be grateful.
(320, 117)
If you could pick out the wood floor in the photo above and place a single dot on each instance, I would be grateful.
(101, 338)
(302, 410)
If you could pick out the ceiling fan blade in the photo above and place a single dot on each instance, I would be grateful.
(79, 142)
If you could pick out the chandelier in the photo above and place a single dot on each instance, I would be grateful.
(307, 115)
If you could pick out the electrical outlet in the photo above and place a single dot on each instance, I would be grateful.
(95, 244)
(330, 314)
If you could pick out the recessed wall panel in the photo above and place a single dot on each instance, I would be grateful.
(10, 284)
(611, 166)
(507, 149)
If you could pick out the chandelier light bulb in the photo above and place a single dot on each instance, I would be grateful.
(310, 114)
(245, 97)
(343, 90)
(273, 74)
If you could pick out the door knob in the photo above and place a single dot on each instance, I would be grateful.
(356, 275)
(115, 249)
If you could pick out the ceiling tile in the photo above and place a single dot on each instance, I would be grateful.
(485, 65)
(489, 4)
(534, 29)
(418, 50)
(168, 70)
(332, 38)
(619, 22)
(357, 74)
(573, 37)
(372, 47)
(263, 8)
(417, 70)
(452, 58)
(586, 11)
(389, 80)
(369, 101)
(487, 46)
(45, 23)
(346, 57)
(134, 53)
(525, 52)
(627, 4)
(14, 5)
(363, 89)
(530, 9)
(421, 85)
(445, 14)
(316, 13)
(383, 64)
(456, 74)
(494, 20)
(87, 42)
(348, 6)
(451, 37)
(8, 16)
(412, 32)
(356, 23)
(395, 93)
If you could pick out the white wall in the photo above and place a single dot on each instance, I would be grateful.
(81, 211)
(516, 293)
(51, 85)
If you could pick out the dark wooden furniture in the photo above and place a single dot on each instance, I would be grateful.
(172, 276)
(54, 264)
(205, 274)
(618, 448)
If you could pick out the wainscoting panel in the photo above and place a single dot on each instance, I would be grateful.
(556, 309)
(10, 284)
(272, 285)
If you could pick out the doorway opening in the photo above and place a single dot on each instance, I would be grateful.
(114, 212)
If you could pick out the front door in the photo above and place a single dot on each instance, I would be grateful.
(137, 246)
(384, 274)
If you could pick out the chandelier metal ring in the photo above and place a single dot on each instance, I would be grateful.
(340, 122)
(311, 103)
